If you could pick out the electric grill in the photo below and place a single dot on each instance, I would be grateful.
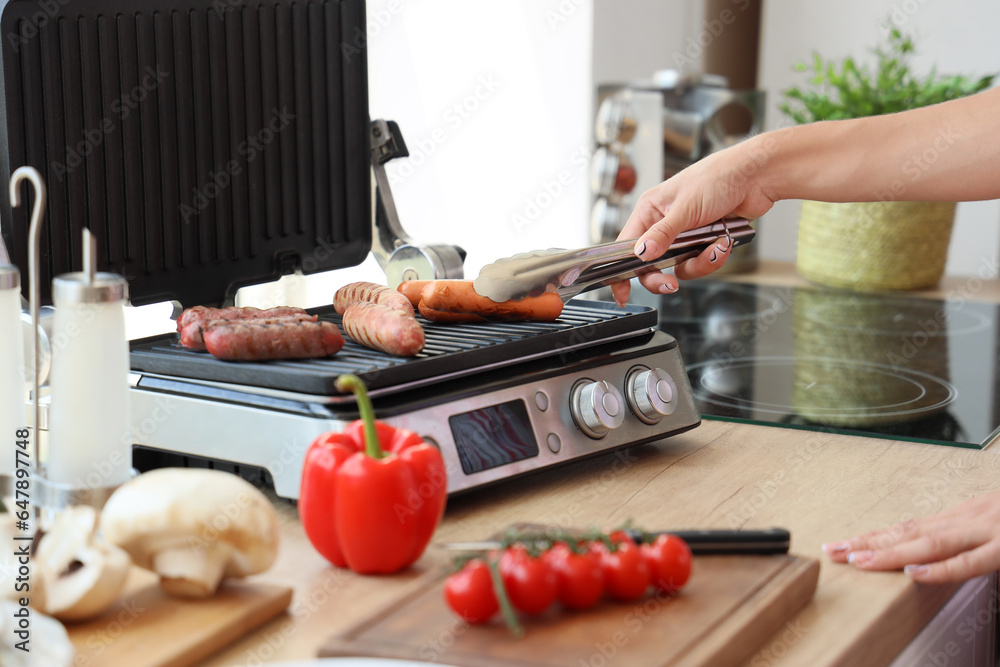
(214, 145)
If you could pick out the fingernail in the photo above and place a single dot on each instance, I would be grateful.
(860, 557)
(667, 288)
(714, 257)
(916, 569)
(835, 547)
(724, 243)
(639, 249)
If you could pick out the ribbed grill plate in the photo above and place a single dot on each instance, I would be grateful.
(207, 145)
(451, 351)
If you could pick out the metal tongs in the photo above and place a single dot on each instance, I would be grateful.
(570, 272)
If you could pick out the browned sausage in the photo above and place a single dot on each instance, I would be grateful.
(234, 313)
(362, 292)
(441, 316)
(458, 296)
(283, 339)
(192, 336)
(382, 328)
(411, 290)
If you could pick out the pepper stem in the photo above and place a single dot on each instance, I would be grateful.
(354, 384)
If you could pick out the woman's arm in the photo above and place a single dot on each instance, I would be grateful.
(945, 152)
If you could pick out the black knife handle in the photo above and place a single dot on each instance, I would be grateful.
(724, 541)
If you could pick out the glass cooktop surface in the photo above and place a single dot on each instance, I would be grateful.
(881, 365)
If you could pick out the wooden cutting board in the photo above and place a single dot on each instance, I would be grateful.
(148, 628)
(729, 608)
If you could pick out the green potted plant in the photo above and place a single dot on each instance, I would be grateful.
(849, 245)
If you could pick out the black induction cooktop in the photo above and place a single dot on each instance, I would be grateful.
(885, 365)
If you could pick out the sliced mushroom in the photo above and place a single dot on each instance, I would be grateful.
(83, 574)
(48, 643)
(193, 527)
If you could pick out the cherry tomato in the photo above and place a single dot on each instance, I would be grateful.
(669, 559)
(469, 592)
(530, 582)
(626, 572)
(579, 579)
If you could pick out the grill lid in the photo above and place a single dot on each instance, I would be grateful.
(451, 350)
(206, 144)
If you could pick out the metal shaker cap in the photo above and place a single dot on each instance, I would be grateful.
(10, 277)
(76, 288)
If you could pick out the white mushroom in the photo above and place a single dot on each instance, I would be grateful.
(193, 527)
(83, 575)
(48, 644)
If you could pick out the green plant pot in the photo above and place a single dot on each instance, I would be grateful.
(877, 245)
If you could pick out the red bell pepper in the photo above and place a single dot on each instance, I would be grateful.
(371, 495)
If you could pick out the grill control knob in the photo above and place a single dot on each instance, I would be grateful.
(597, 408)
(651, 394)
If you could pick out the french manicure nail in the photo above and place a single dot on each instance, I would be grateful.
(667, 288)
(860, 557)
(915, 569)
(835, 547)
(723, 243)
(640, 249)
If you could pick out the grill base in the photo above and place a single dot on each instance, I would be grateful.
(271, 434)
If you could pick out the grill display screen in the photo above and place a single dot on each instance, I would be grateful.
(493, 436)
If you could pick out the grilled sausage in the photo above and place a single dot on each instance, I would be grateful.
(192, 336)
(382, 328)
(362, 292)
(411, 289)
(441, 316)
(458, 296)
(234, 313)
(282, 339)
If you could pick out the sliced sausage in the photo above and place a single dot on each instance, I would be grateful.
(283, 339)
(364, 292)
(234, 313)
(382, 328)
(459, 296)
(192, 336)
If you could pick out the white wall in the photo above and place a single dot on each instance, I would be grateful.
(634, 38)
(492, 98)
(957, 37)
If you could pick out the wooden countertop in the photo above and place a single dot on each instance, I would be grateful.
(821, 486)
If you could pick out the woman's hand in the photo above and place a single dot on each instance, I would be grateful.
(950, 546)
(724, 184)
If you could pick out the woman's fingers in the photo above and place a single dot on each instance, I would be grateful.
(658, 282)
(923, 549)
(620, 292)
(876, 539)
(709, 260)
(966, 565)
